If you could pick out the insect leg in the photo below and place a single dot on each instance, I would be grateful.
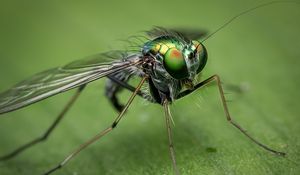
(101, 134)
(169, 130)
(114, 86)
(124, 85)
(48, 131)
(216, 78)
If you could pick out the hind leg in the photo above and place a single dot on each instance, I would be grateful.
(48, 131)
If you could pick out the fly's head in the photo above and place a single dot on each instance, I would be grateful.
(185, 64)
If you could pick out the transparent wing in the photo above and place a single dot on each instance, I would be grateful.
(186, 33)
(57, 80)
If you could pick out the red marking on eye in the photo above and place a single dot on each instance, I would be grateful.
(175, 54)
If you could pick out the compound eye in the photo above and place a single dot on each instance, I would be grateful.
(202, 55)
(175, 64)
(196, 45)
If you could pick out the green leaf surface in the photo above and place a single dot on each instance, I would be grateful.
(259, 52)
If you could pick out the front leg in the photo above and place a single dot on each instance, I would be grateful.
(216, 78)
(170, 138)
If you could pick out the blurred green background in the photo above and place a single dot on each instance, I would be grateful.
(260, 50)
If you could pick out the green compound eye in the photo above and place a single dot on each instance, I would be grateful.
(175, 64)
(201, 50)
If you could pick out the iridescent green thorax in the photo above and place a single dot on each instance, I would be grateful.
(161, 45)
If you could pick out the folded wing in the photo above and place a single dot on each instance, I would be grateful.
(57, 80)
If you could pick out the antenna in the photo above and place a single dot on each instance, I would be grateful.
(243, 13)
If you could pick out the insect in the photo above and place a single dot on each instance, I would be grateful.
(168, 63)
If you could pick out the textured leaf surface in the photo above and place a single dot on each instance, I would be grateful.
(259, 51)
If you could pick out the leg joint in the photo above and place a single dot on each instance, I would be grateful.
(114, 124)
(216, 77)
(43, 137)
